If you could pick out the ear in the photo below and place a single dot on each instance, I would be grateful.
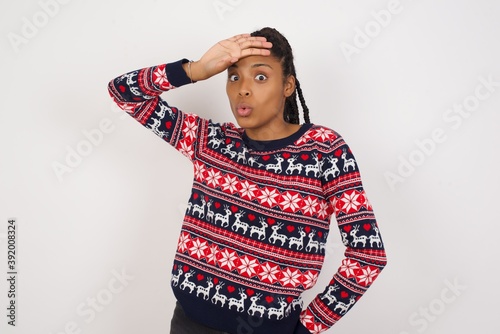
(289, 85)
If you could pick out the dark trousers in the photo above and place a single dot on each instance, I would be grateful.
(181, 324)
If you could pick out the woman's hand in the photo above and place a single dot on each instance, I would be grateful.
(225, 53)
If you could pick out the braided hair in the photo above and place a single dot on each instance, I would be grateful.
(282, 50)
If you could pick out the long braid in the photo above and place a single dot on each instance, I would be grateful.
(282, 50)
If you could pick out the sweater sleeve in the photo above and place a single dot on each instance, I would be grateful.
(138, 93)
(364, 256)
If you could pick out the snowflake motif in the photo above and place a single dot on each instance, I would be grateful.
(336, 205)
(309, 279)
(230, 184)
(291, 278)
(268, 197)
(227, 259)
(212, 254)
(323, 134)
(160, 77)
(306, 318)
(190, 128)
(184, 239)
(323, 210)
(290, 201)
(365, 202)
(349, 268)
(199, 170)
(247, 266)
(248, 191)
(309, 205)
(197, 248)
(350, 202)
(128, 107)
(304, 139)
(366, 275)
(268, 273)
(213, 178)
(186, 148)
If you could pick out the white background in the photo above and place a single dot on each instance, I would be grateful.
(120, 207)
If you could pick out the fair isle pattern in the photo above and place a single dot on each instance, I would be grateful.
(258, 217)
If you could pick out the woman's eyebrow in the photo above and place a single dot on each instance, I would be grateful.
(253, 65)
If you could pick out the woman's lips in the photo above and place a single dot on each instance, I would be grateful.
(243, 109)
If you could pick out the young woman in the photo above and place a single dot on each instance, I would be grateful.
(264, 192)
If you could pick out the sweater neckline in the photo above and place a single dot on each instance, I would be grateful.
(267, 145)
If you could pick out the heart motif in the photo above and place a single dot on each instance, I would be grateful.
(175, 267)
(320, 234)
(344, 294)
(251, 217)
(269, 299)
(347, 228)
(290, 228)
(228, 141)
(338, 153)
(250, 292)
(185, 268)
(304, 157)
(289, 299)
(122, 88)
(238, 144)
(234, 208)
(367, 227)
(286, 155)
(168, 124)
(200, 277)
(195, 195)
(271, 221)
(266, 157)
(307, 229)
(216, 280)
(217, 205)
(206, 198)
(230, 288)
(320, 156)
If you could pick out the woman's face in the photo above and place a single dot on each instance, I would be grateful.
(257, 93)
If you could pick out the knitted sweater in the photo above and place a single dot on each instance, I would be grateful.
(254, 232)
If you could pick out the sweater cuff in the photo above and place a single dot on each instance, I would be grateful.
(301, 329)
(176, 74)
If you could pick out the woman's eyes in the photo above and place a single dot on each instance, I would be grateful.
(258, 77)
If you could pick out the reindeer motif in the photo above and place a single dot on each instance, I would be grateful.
(292, 306)
(205, 291)
(328, 295)
(275, 236)
(315, 168)
(154, 127)
(343, 306)
(375, 238)
(175, 278)
(215, 142)
(299, 242)
(239, 303)
(219, 297)
(242, 155)
(186, 283)
(333, 170)
(276, 167)
(161, 113)
(261, 231)
(238, 223)
(200, 209)
(348, 162)
(253, 160)
(224, 219)
(227, 150)
(278, 312)
(344, 238)
(213, 130)
(357, 239)
(292, 166)
(312, 243)
(256, 308)
(210, 213)
(323, 244)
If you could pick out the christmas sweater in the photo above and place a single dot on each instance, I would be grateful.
(258, 216)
